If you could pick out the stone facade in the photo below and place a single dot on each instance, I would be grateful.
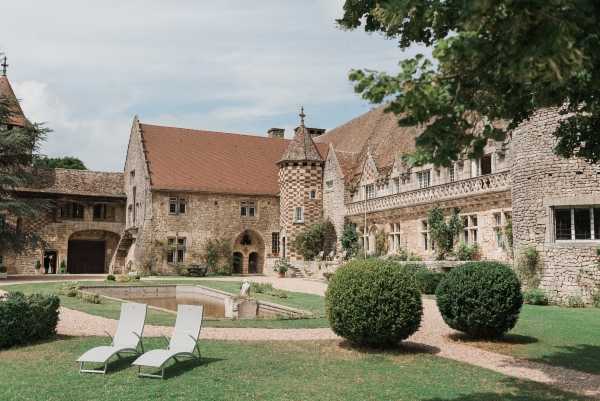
(63, 234)
(542, 183)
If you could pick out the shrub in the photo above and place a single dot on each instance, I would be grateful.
(282, 266)
(428, 280)
(89, 297)
(38, 265)
(373, 302)
(466, 252)
(596, 299)
(315, 239)
(69, 290)
(328, 275)
(349, 240)
(527, 267)
(535, 296)
(63, 266)
(575, 301)
(2, 269)
(482, 299)
(110, 277)
(25, 319)
(261, 288)
(278, 294)
(217, 254)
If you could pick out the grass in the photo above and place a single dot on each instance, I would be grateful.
(261, 371)
(111, 309)
(557, 336)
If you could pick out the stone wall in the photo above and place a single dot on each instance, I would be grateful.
(541, 181)
(333, 195)
(485, 207)
(296, 181)
(212, 216)
(56, 232)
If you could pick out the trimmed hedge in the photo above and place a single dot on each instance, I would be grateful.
(26, 319)
(482, 299)
(428, 280)
(373, 302)
(535, 296)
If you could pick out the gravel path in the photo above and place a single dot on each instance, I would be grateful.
(433, 337)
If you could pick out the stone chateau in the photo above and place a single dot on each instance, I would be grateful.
(182, 187)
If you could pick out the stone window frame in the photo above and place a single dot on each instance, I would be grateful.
(594, 212)
(67, 210)
(177, 248)
(452, 172)
(395, 237)
(423, 178)
(396, 185)
(329, 185)
(177, 205)
(425, 237)
(248, 209)
(470, 233)
(499, 226)
(312, 194)
(370, 191)
(107, 211)
(275, 243)
(299, 214)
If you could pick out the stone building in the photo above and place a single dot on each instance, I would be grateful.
(81, 220)
(183, 188)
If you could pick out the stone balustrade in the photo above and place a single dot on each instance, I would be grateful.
(473, 186)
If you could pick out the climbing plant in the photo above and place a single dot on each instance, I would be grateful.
(316, 239)
(444, 233)
(527, 267)
(349, 240)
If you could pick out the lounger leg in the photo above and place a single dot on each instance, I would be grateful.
(152, 375)
(100, 371)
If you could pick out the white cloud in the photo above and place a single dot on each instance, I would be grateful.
(86, 67)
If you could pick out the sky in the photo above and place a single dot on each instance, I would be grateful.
(87, 67)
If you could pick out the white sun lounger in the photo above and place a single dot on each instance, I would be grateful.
(183, 343)
(126, 339)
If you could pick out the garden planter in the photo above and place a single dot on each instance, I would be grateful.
(281, 274)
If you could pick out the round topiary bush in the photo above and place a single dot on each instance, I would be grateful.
(373, 302)
(482, 299)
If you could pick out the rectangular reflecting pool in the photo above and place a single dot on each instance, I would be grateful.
(212, 307)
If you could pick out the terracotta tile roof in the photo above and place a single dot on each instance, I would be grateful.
(376, 131)
(77, 182)
(6, 92)
(182, 159)
(301, 148)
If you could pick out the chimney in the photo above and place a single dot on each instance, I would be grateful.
(313, 132)
(275, 132)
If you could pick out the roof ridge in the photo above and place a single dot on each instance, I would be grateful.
(204, 131)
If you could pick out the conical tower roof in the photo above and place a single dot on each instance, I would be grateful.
(302, 147)
(7, 94)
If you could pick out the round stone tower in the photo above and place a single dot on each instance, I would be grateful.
(556, 209)
(300, 189)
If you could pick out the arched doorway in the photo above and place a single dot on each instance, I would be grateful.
(250, 245)
(90, 252)
(253, 263)
(238, 262)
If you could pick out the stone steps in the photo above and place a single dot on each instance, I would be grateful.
(297, 273)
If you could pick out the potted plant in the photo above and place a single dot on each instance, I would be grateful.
(3, 273)
(38, 266)
(281, 267)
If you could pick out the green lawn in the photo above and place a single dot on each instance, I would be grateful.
(111, 309)
(261, 371)
(557, 336)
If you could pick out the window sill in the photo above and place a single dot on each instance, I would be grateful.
(299, 222)
(573, 244)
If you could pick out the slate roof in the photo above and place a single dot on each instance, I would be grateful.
(17, 117)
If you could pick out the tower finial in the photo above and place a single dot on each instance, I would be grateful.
(302, 115)
(4, 66)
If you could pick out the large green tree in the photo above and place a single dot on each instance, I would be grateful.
(18, 149)
(60, 162)
(492, 61)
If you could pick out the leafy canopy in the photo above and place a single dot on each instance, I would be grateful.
(60, 162)
(494, 63)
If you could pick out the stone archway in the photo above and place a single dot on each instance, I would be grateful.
(250, 245)
(90, 252)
